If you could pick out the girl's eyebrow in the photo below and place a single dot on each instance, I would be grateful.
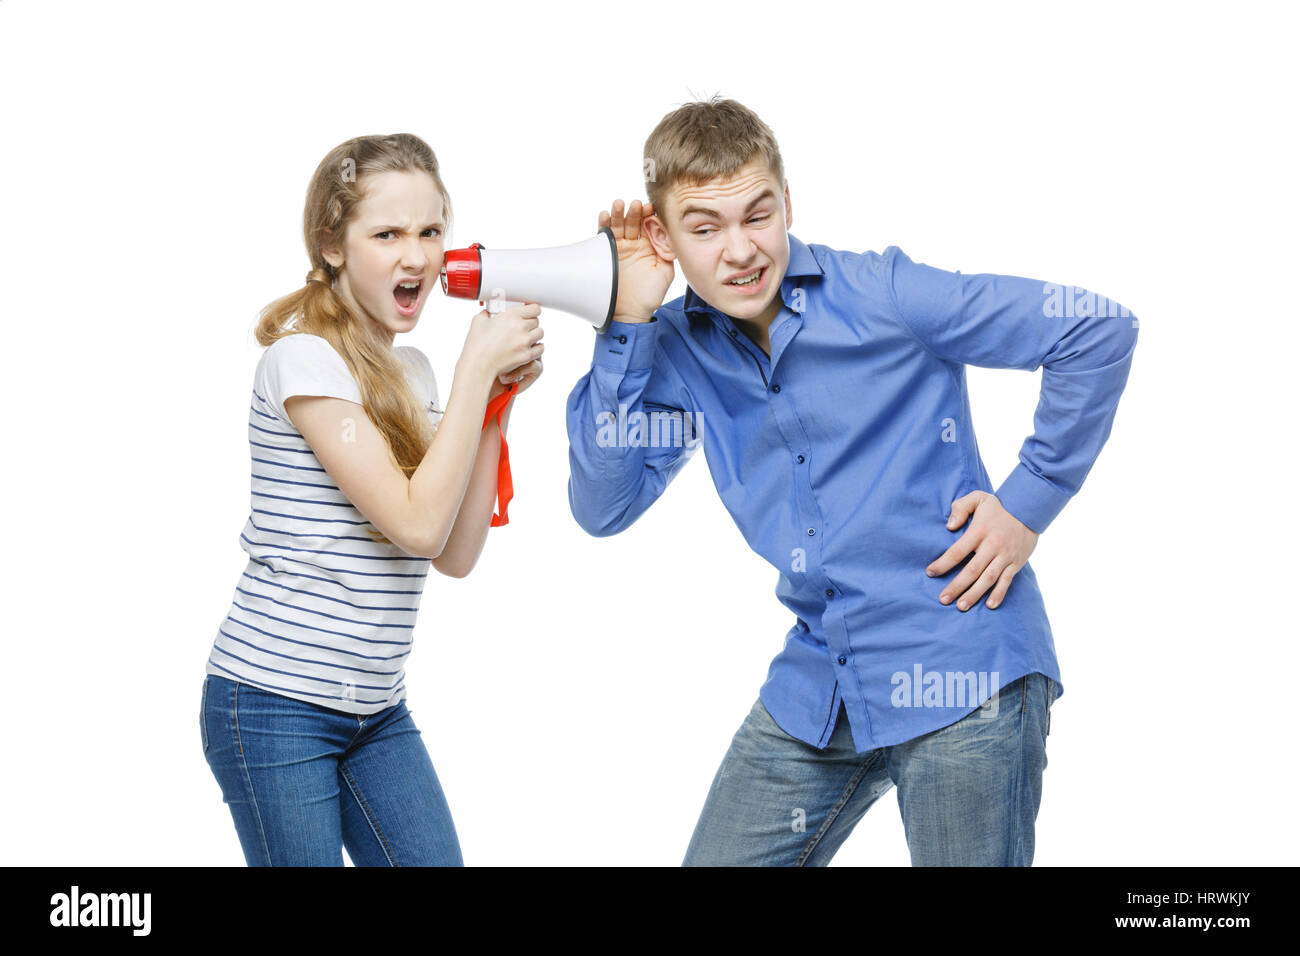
(432, 225)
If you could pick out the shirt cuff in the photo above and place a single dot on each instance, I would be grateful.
(1031, 498)
(626, 345)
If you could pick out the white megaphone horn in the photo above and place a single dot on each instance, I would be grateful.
(581, 279)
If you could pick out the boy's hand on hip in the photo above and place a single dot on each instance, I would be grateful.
(643, 275)
(1000, 542)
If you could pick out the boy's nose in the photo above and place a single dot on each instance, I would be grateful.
(740, 248)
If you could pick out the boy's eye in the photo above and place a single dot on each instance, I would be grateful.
(434, 229)
(705, 230)
(386, 232)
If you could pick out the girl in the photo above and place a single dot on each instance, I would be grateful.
(358, 482)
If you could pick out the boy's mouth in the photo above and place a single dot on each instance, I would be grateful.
(748, 280)
(407, 294)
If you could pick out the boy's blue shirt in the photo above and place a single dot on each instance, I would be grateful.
(839, 458)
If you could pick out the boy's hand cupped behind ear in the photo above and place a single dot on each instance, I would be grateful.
(643, 275)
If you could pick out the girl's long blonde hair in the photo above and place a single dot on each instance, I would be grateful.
(337, 187)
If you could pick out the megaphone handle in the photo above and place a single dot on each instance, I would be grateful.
(505, 485)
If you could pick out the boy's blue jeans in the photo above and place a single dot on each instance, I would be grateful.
(968, 792)
(303, 781)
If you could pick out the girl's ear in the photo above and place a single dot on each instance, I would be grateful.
(659, 238)
(330, 251)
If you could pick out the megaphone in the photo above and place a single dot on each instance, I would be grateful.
(581, 279)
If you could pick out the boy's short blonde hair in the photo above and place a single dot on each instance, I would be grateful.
(702, 141)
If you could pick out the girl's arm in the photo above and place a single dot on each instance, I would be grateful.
(468, 534)
(416, 514)
(419, 513)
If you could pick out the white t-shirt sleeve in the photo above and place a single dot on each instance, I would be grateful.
(424, 369)
(303, 364)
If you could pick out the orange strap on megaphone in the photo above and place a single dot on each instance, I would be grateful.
(505, 486)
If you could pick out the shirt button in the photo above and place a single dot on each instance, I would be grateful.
(733, 332)
(811, 532)
(801, 459)
(776, 388)
(842, 660)
(830, 593)
(622, 339)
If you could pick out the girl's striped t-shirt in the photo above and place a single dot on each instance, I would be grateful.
(322, 612)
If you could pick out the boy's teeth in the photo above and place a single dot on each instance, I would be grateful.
(750, 281)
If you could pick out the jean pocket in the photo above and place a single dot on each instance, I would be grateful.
(203, 713)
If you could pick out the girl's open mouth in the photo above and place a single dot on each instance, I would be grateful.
(407, 295)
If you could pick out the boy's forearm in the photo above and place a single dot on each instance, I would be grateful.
(604, 475)
(614, 476)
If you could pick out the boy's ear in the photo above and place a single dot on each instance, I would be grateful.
(659, 238)
(789, 209)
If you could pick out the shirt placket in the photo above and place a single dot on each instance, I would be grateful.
(780, 397)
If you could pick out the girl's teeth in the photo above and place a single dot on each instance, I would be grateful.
(407, 294)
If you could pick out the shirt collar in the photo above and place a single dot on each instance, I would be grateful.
(802, 263)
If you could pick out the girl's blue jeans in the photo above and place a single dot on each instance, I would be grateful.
(303, 781)
(968, 792)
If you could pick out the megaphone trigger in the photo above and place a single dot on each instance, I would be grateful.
(497, 302)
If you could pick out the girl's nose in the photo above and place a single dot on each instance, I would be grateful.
(414, 257)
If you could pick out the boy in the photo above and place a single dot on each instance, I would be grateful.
(828, 390)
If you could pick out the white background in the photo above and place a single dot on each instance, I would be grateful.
(576, 694)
